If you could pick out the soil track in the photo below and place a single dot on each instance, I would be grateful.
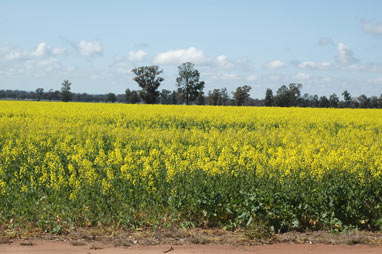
(59, 247)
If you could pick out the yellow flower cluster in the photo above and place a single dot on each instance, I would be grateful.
(74, 146)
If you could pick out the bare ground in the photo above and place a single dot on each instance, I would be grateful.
(59, 247)
(95, 240)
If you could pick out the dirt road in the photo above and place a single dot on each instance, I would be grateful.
(58, 247)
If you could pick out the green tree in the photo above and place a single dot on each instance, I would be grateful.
(324, 102)
(268, 101)
(165, 97)
(282, 97)
(111, 97)
(147, 78)
(334, 100)
(188, 82)
(39, 93)
(224, 96)
(294, 93)
(214, 97)
(347, 98)
(131, 96)
(241, 95)
(315, 101)
(364, 101)
(200, 100)
(66, 95)
(288, 96)
(374, 102)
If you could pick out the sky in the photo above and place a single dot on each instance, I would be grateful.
(328, 46)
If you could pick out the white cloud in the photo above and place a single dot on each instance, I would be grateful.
(274, 77)
(89, 48)
(42, 50)
(275, 64)
(70, 68)
(136, 56)
(251, 78)
(37, 62)
(314, 65)
(15, 54)
(40, 67)
(58, 51)
(213, 76)
(375, 81)
(223, 61)
(324, 41)
(198, 57)
(326, 79)
(242, 61)
(345, 54)
(179, 56)
(302, 76)
(122, 65)
(3, 50)
(356, 67)
(94, 76)
(375, 67)
(229, 76)
(372, 27)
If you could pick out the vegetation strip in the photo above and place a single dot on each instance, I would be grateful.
(64, 166)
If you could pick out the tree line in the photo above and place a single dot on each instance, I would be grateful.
(190, 92)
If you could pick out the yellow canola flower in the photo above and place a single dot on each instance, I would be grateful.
(77, 146)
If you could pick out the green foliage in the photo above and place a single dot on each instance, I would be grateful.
(111, 97)
(288, 96)
(66, 95)
(347, 98)
(136, 166)
(188, 82)
(334, 100)
(241, 95)
(336, 203)
(268, 101)
(147, 78)
(39, 93)
(132, 97)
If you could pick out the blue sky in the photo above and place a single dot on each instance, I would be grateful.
(328, 46)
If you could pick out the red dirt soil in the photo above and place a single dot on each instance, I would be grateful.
(59, 247)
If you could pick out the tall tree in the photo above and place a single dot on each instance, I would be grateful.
(287, 96)
(224, 96)
(282, 97)
(334, 100)
(347, 98)
(268, 101)
(188, 82)
(131, 96)
(374, 102)
(294, 93)
(66, 95)
(324, 102)
(173, 98)
(165, 96)
(364, 101)
(147, 78)
(241, 95)
(111, 97)
(200, 100)
(39, 93)
(215, 97)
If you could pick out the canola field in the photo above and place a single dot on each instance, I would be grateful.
(69, 165)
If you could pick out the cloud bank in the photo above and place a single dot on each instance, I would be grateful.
(89, 48)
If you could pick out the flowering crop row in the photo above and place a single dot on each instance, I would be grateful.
(68, 165)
